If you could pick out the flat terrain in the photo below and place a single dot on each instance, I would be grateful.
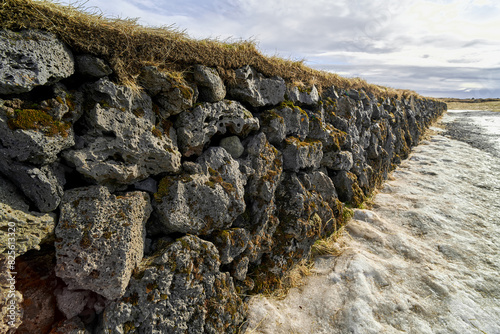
(473, 104)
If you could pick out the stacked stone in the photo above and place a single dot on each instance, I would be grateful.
(166, 205)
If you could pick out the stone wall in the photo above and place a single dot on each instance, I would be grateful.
(156, 210)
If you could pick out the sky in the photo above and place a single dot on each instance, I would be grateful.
(438, 48)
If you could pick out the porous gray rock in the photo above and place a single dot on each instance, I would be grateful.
(71, 302)
(347, 187)
(180, 289)
(42, 185)
(150, 185)
(196, 127)
(202, 203)
(31, 229)
(265, 165)
(40, 145)
(323, 185)
(301, 154)
(100, 239)
(31, 58)
(173, 94)
(338, 160)
(92, 66)
(303, 96)
(333, 139)
(296, 121)
(255, 89)
(124, 143)
(230, 243)
(239, 268)
(66, 106)
(330, 93)
(233, 146)
(304, 216)
(274, 127)
(210, 85)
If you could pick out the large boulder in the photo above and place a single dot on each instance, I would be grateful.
(31, 58)
(255, 89)
(178, 290)
(202, 202)
(124, 143)
(195, 128)
(100, 239)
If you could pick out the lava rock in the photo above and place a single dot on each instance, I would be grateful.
(100, 239)
(92, 66)
(303, 97)
(201, 203)
(209, 83)
(255, 89)
(233, 146)
(180, 289)
(197, 127)
(124, 145)
(31, 228)
(31, 58)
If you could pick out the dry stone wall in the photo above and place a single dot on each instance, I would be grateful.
(161, 209)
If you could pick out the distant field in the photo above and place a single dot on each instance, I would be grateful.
(476, 104)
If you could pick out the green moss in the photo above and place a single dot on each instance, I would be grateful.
(163, 188)
(38, 120)
(128, 327)
(287, 104)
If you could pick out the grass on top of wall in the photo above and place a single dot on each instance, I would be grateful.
(128, 46)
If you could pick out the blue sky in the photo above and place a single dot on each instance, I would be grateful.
(440, 48)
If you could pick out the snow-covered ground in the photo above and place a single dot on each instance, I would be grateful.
(425, 259)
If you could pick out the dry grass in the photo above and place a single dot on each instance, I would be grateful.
(128, 46)
(477, 104)
(333, 245)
